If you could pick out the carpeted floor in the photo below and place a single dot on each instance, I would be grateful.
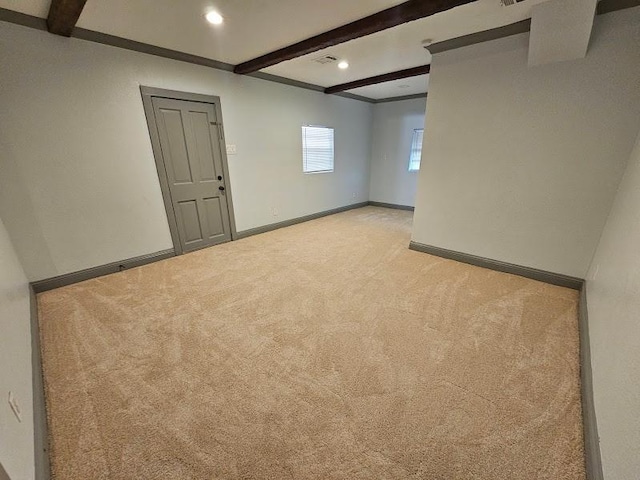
(326, 350)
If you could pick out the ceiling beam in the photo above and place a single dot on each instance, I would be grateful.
(385, 77)
(391, 17)
(63, 16)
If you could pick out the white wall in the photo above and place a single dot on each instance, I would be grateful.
(521, 165)
(613, 299)
(393, 126)
(16, 438)
(78, 184)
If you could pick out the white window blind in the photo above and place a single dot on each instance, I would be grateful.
(416, 150)
(317, 149)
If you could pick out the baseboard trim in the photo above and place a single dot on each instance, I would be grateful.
(391, 205)
(93, 272)
(400, 99)
(293, 221)
(593, 459)
(3, 473)
(528, 272)
(40, 429)
(101, 270)
(608, 6)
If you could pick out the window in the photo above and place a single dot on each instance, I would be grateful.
(416, 150)
(317, 149)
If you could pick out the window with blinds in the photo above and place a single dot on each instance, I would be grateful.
(416, 150)
(317, 149)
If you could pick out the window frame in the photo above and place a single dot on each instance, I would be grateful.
(411, 150)
(304, 150)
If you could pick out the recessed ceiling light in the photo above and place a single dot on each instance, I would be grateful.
(214, 18)
(343, 64)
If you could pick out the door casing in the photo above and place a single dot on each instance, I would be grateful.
(147, 94)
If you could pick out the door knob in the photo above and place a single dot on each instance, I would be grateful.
(221, 188)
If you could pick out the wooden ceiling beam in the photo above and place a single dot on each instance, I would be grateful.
(63, 16)
(385, 77)
(391, 17)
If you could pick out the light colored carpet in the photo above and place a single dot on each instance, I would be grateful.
(326, 350)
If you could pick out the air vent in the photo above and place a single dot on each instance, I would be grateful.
(324, 59)
(508, 3)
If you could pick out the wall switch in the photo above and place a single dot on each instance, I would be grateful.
(13, 403)
(231, 150)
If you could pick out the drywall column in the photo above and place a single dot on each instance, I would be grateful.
(521, 164)
(16, 436)
(393, 126)
(613, 299)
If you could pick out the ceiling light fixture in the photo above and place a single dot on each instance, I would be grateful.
(214, 17)
(343, 64)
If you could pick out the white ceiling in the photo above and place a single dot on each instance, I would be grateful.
(254, 27)
(401, 47)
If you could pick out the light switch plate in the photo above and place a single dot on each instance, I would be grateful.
(231, 150)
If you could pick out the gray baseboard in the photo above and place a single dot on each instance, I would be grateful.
(93, 272)
(391, 205)
(287, 223)
(400, 99)
(593, 459)
(3, 473)
(40, 431)
(608, 6)
(533, 273)
(480, 37)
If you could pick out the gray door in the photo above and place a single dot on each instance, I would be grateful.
(189, 135)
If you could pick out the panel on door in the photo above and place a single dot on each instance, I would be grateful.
(191, 150)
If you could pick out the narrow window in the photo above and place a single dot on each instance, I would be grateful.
(317, 149)
(416, 150)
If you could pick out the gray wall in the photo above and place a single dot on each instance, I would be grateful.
(393, 126)
(521, 165)
(16, 438)
(613, 298)
(78, 185)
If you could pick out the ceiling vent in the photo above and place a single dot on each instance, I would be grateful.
(508, 3)
(324, 59)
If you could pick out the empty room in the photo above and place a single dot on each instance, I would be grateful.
(341, 239)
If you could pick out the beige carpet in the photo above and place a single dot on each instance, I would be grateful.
(327, 350)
